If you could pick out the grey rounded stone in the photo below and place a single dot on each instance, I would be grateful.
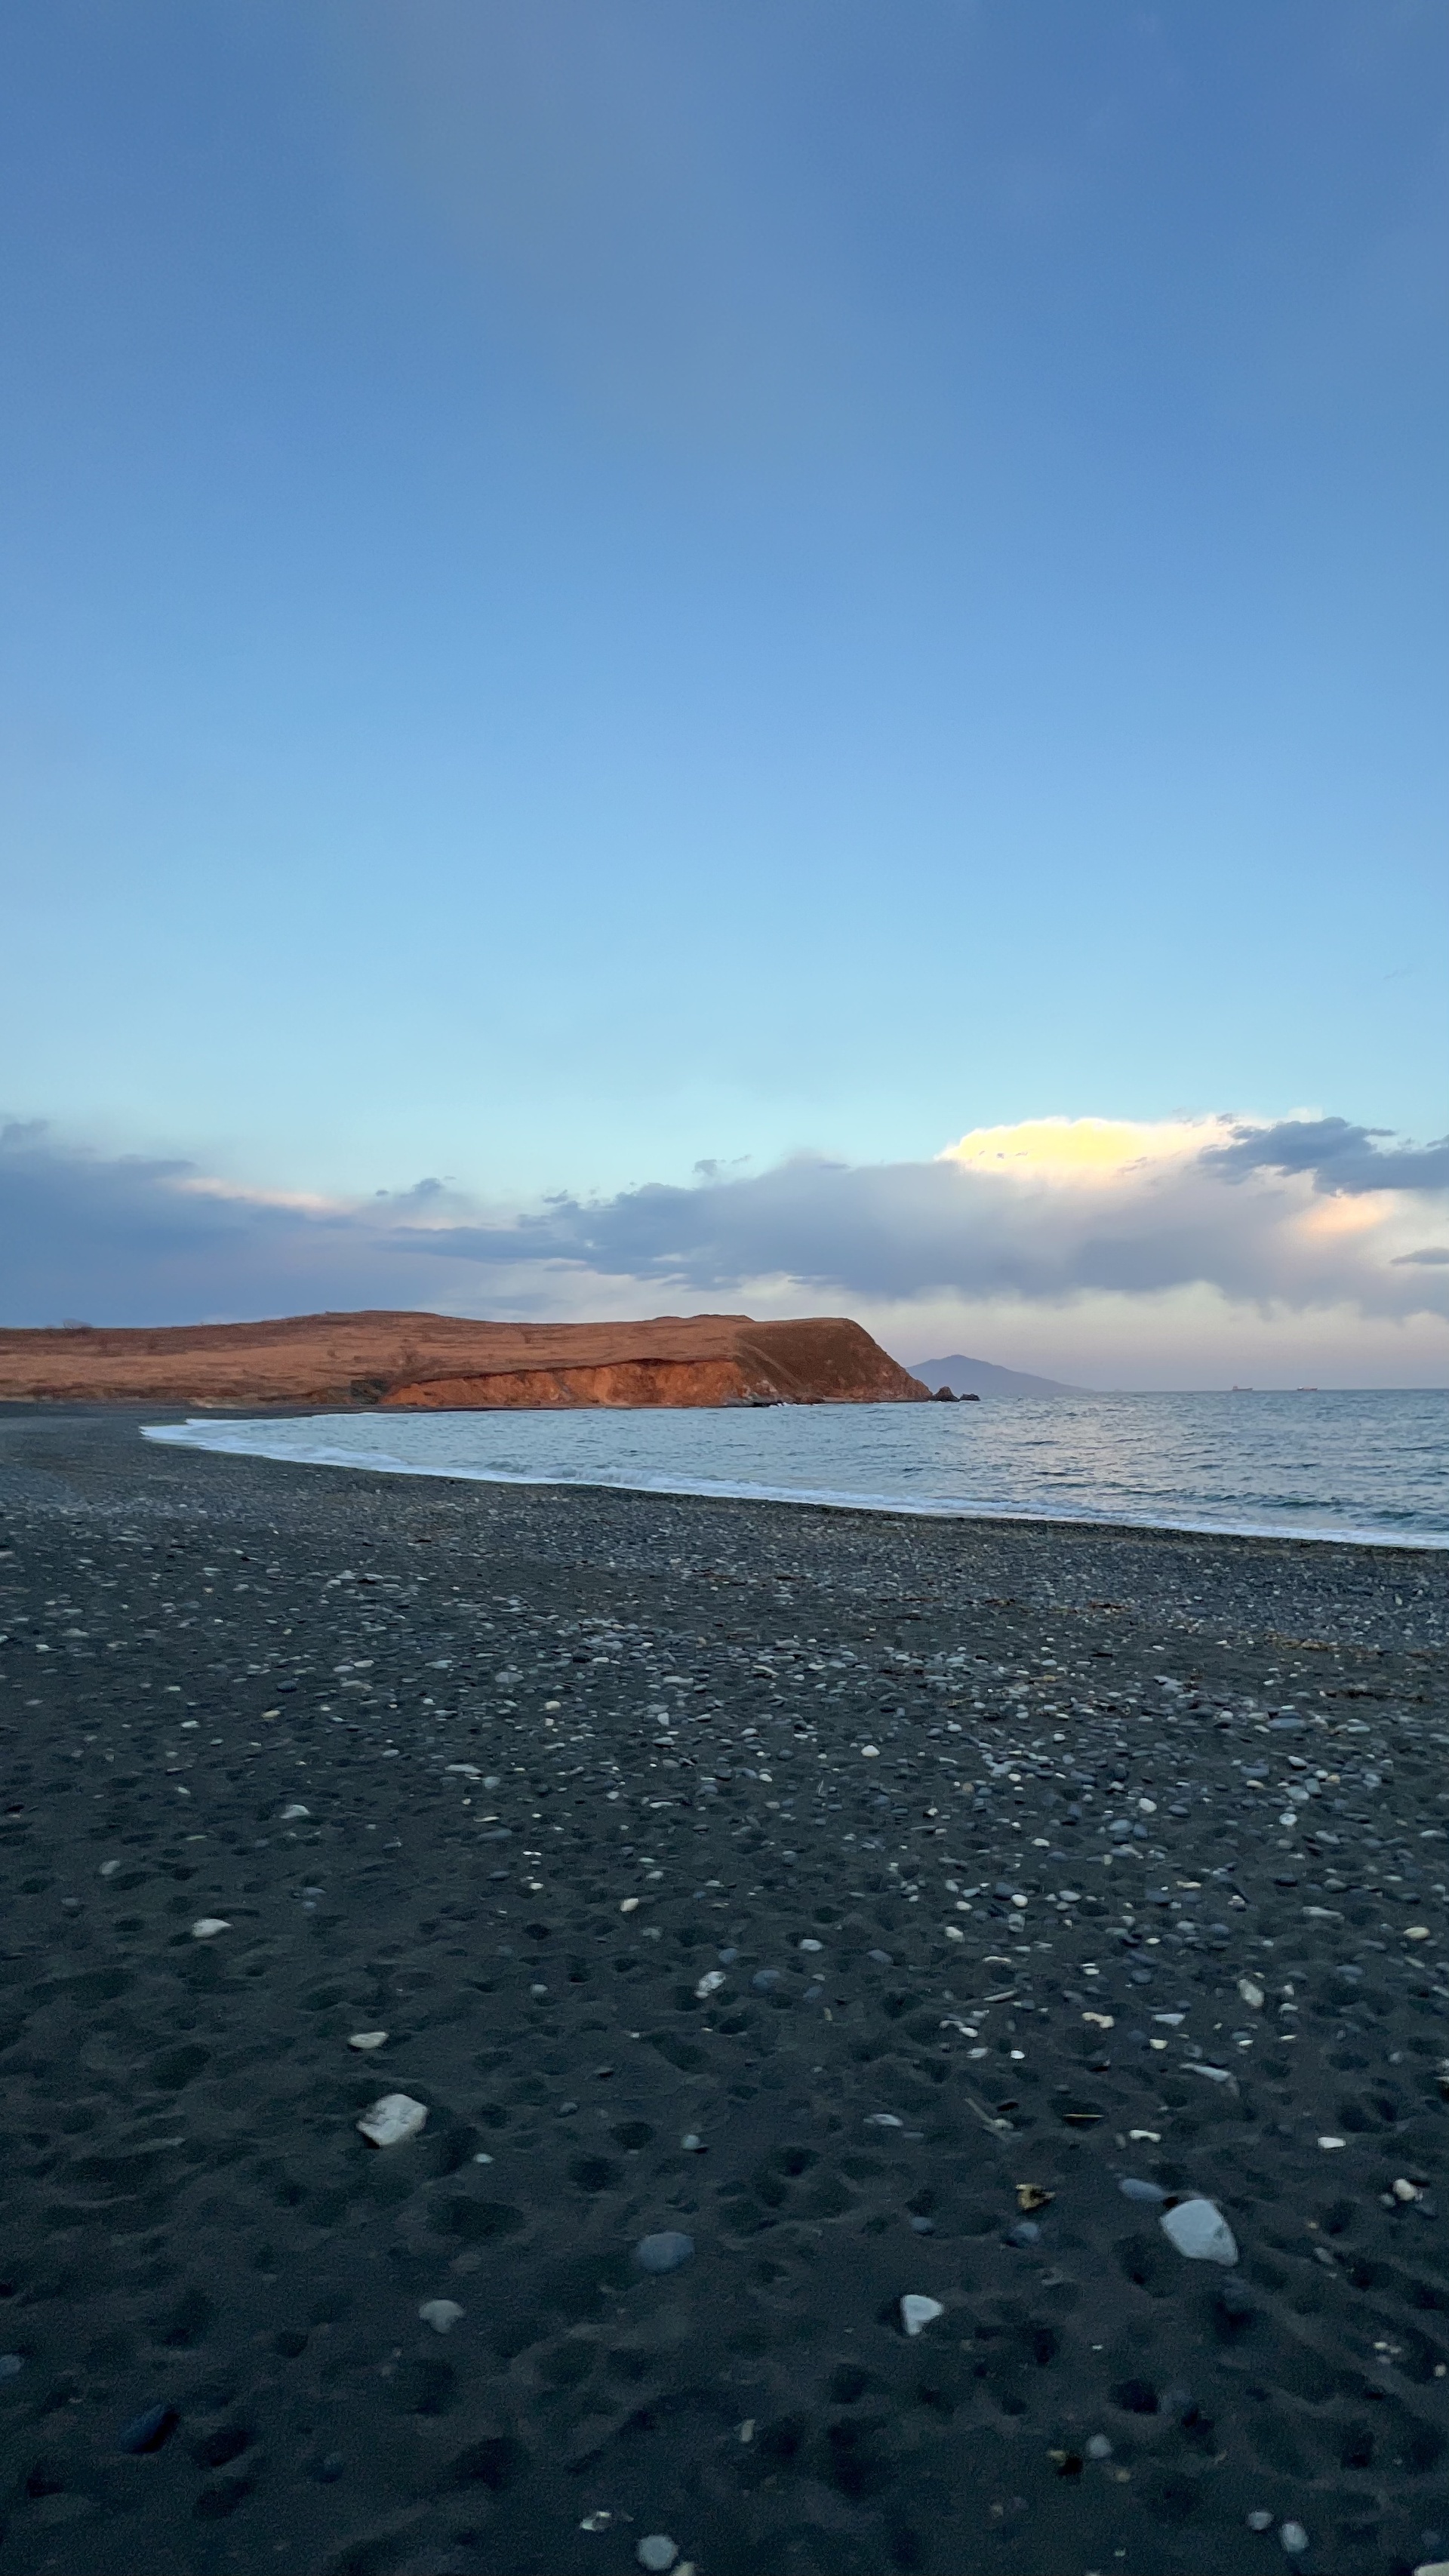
(664, 2252)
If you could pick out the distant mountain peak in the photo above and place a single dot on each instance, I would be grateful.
(983, 1377)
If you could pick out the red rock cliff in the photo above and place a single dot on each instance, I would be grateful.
(432, 1362)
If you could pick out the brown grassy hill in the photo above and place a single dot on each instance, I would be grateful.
(430, 1362)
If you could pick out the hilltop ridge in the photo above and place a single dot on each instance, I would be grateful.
(982, 1377)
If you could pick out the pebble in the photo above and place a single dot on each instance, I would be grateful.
(692, 2144)
(1199, 2230)
(630, 1904)
(148, 2432)
(710, 1983)
(1260, 2521)
(1251, 1993)
(657, 2552)
(393, 2117)
(664, 2252)
(366, 2039)
(918, 2312)
(294, 1814)
(1293, 2537)
(108, 1869)
(208, 1927)
(1098, 2447)
(812, 1945)
(441, 2314)
(1147, 2192)
(1333, 2142)
(765, 1980)
(11, 2364)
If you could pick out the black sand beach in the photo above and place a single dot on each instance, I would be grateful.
(508, 1774)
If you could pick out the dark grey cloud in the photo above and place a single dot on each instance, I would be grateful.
(132, 1239)
(127, 1239)
(1335, 1154)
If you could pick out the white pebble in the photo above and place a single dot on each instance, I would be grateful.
(710, 1983)
(1293, 2537)
(1260, 2521)
(629, 1904)
(391, 2119)
(441, 2314)
(367, 2039)
(812, 1945)
(1251, 1993)
(108, 1869)
(1199, 2230)
(657, 2552)
(1332, 2142)
(208, 1928)
(917, 2312)
(294, 1814)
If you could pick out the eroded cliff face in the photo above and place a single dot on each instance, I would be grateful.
(434, 1363)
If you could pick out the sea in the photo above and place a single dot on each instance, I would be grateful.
(1370, 1466)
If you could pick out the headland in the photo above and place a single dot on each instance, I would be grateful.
(422, 1362)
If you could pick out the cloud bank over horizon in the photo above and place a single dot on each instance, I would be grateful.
(1052, 1232)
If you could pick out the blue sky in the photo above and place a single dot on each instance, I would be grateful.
(611, 585)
